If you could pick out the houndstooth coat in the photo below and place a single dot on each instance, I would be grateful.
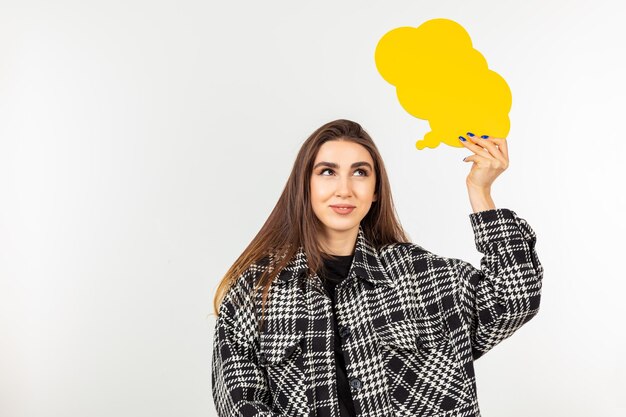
(411, 325)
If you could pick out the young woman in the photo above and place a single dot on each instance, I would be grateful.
(331, 311)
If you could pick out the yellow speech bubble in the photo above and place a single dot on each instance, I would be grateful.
(441, 78)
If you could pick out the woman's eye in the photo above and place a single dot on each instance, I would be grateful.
(361, 170)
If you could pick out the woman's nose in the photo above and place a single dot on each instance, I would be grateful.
(343, 187)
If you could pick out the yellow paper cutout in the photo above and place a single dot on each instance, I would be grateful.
(441, 78)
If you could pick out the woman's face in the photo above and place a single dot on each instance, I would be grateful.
(343, 174)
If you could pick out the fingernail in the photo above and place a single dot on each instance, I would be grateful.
(462, 138)
(470, 134)
(484, 136)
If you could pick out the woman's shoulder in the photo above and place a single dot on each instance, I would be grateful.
(252, 273)
(243, 286)
(400, 249)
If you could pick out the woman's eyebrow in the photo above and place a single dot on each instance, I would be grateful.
(334, 165)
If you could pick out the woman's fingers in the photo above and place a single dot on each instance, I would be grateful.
(468, 141)
(489, 147)
(482, 160)
(502, 151)
(502, 146)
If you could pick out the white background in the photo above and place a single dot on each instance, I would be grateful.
(144, 143)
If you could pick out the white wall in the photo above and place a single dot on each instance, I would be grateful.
(144, 143)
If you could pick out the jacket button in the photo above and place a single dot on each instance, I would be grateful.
(262, 359)
(355, 383)
(367, 285)
(420, 344)
(289, 351)
(344, 332)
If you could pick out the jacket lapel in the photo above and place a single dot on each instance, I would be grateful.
(366, 264)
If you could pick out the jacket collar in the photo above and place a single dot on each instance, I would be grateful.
(366, 264)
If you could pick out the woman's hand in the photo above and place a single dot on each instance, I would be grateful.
(491, 158)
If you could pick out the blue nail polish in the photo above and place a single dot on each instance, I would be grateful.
(484, 136)
(462, 138)
(470, 134)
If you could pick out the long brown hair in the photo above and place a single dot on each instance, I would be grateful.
(292, 223)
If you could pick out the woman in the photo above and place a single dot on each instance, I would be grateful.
(331, 311)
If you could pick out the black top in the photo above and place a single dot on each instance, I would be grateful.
(337, 270)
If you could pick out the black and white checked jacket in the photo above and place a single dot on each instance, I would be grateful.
(411, 323)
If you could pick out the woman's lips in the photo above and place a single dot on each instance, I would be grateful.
(342, 210)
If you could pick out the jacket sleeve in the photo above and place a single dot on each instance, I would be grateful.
(505, 293)
(239, 385)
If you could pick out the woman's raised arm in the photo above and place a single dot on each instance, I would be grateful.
(505, 292)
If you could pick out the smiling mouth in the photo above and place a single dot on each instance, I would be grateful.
(342, 210)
